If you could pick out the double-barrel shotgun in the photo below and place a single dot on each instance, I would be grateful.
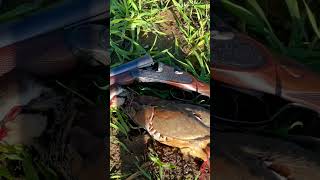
(145, 70)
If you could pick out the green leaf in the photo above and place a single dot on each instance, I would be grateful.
(147, 175)
(244, 14)
(259, 12)
(134, 5)
(29, 170)
(122, 145)
(13, 157)
(297, 24)
(312, 19)
(47, 172)
(4, 172)
(293, 9)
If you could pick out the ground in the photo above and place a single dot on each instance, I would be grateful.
(141, 147)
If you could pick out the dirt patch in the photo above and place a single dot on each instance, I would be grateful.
(115, 158)
(172, 31)
(124, 160)
(185, 167)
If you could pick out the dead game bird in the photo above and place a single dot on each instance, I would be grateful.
(16, 91)
(248, 156)
(174, 124)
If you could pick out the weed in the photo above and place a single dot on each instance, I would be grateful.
(143, 172)
(131, 20)
(194, 23)
(119, 121)
(162, 166)
(17, 162)
(301, 44)
(128, 19)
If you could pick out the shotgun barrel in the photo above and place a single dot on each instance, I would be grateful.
(40, 43)
(60, 15)
(144, 61)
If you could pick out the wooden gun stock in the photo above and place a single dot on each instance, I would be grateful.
(245, 63)
(196, 86)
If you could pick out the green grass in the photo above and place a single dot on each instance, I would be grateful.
(143, 171)
(17, 161)
(161, 165)
(195, 24)
(119, 121)
(131, 20)
(128, 20)
(301, 26)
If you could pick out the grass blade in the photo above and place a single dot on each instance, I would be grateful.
(312, 19)
(293, 9)
(244, 14)
(29, 170)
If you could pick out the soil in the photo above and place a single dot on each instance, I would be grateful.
(185, 167)
(122, 161)
(171, 29)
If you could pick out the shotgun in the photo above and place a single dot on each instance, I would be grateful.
(244, 63)
(144, 69)
(51, 40)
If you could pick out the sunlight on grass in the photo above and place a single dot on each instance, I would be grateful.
(119, 121)
(131, 20)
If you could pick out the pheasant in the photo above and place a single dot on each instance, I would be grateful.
(175, 124)
(249, 156)
(17, 91)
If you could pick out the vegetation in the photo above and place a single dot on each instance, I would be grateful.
(293, 32)
(133, 21)
(17, 163)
